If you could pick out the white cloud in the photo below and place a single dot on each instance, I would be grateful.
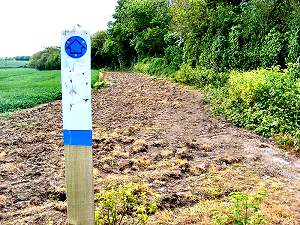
(28, 26)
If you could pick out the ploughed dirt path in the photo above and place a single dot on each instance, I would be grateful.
(150, 130)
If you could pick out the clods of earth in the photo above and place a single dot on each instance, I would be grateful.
(150, 130)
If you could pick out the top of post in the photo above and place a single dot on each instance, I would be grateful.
(77, 29)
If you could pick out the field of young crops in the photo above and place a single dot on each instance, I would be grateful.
(12, 63)
(24, 88)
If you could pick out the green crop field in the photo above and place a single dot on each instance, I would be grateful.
(24, 88)
(12, 63)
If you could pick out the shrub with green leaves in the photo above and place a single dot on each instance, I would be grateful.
(173, 56)
(243, 209)
(200, 76)
(293, 47)
(272, 48)
(130, 203)
(266, 101)
(155, 66)
(101, 84)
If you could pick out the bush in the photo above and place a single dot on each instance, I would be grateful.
(100, 84)
(243, 209)
(155, 66)
(293, 47)
(143, 66)
(125, 204)
(272, 48)
(266, 101)
(185, 75)
(173, 56)
(200, 76)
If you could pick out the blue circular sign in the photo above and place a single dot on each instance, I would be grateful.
(76, 47)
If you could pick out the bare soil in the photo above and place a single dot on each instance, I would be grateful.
(151, 130)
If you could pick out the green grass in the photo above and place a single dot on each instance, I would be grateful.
(12, 63)
(24, 88)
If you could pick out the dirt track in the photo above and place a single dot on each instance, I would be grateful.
(144, 129)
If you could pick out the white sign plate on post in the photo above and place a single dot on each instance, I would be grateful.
(76, 80)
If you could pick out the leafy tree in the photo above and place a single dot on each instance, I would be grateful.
(138, 30)
(99, 58)
(216, 34)
(233, 34)
(48, 59)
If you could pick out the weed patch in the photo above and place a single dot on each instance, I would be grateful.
(130, 203)
(243, 209)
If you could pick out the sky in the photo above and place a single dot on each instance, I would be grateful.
(28, 26)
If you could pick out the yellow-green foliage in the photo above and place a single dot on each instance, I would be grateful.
(186, 74)
(200, 76)
(101, 84)
(246, 86)
(50, 221)
(130, 203)
(142, 66)
(265, 100)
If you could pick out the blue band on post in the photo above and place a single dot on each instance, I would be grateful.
(78, 137)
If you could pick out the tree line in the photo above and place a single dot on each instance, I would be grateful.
(218, 34)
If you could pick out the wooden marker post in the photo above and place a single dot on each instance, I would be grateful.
(77, 125)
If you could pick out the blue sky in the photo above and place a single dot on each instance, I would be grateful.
(29, 26)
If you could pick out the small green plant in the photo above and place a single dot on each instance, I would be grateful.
(50, 221)
(243, 209)
(130, 203)
(101, 84)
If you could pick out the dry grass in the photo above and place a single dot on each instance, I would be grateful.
(3, 200)
(9, 167)
(120, 152)
(198, 214)
(106, 180)
(2, 156)
(207, 186)
(279, 207)
(139, 146)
